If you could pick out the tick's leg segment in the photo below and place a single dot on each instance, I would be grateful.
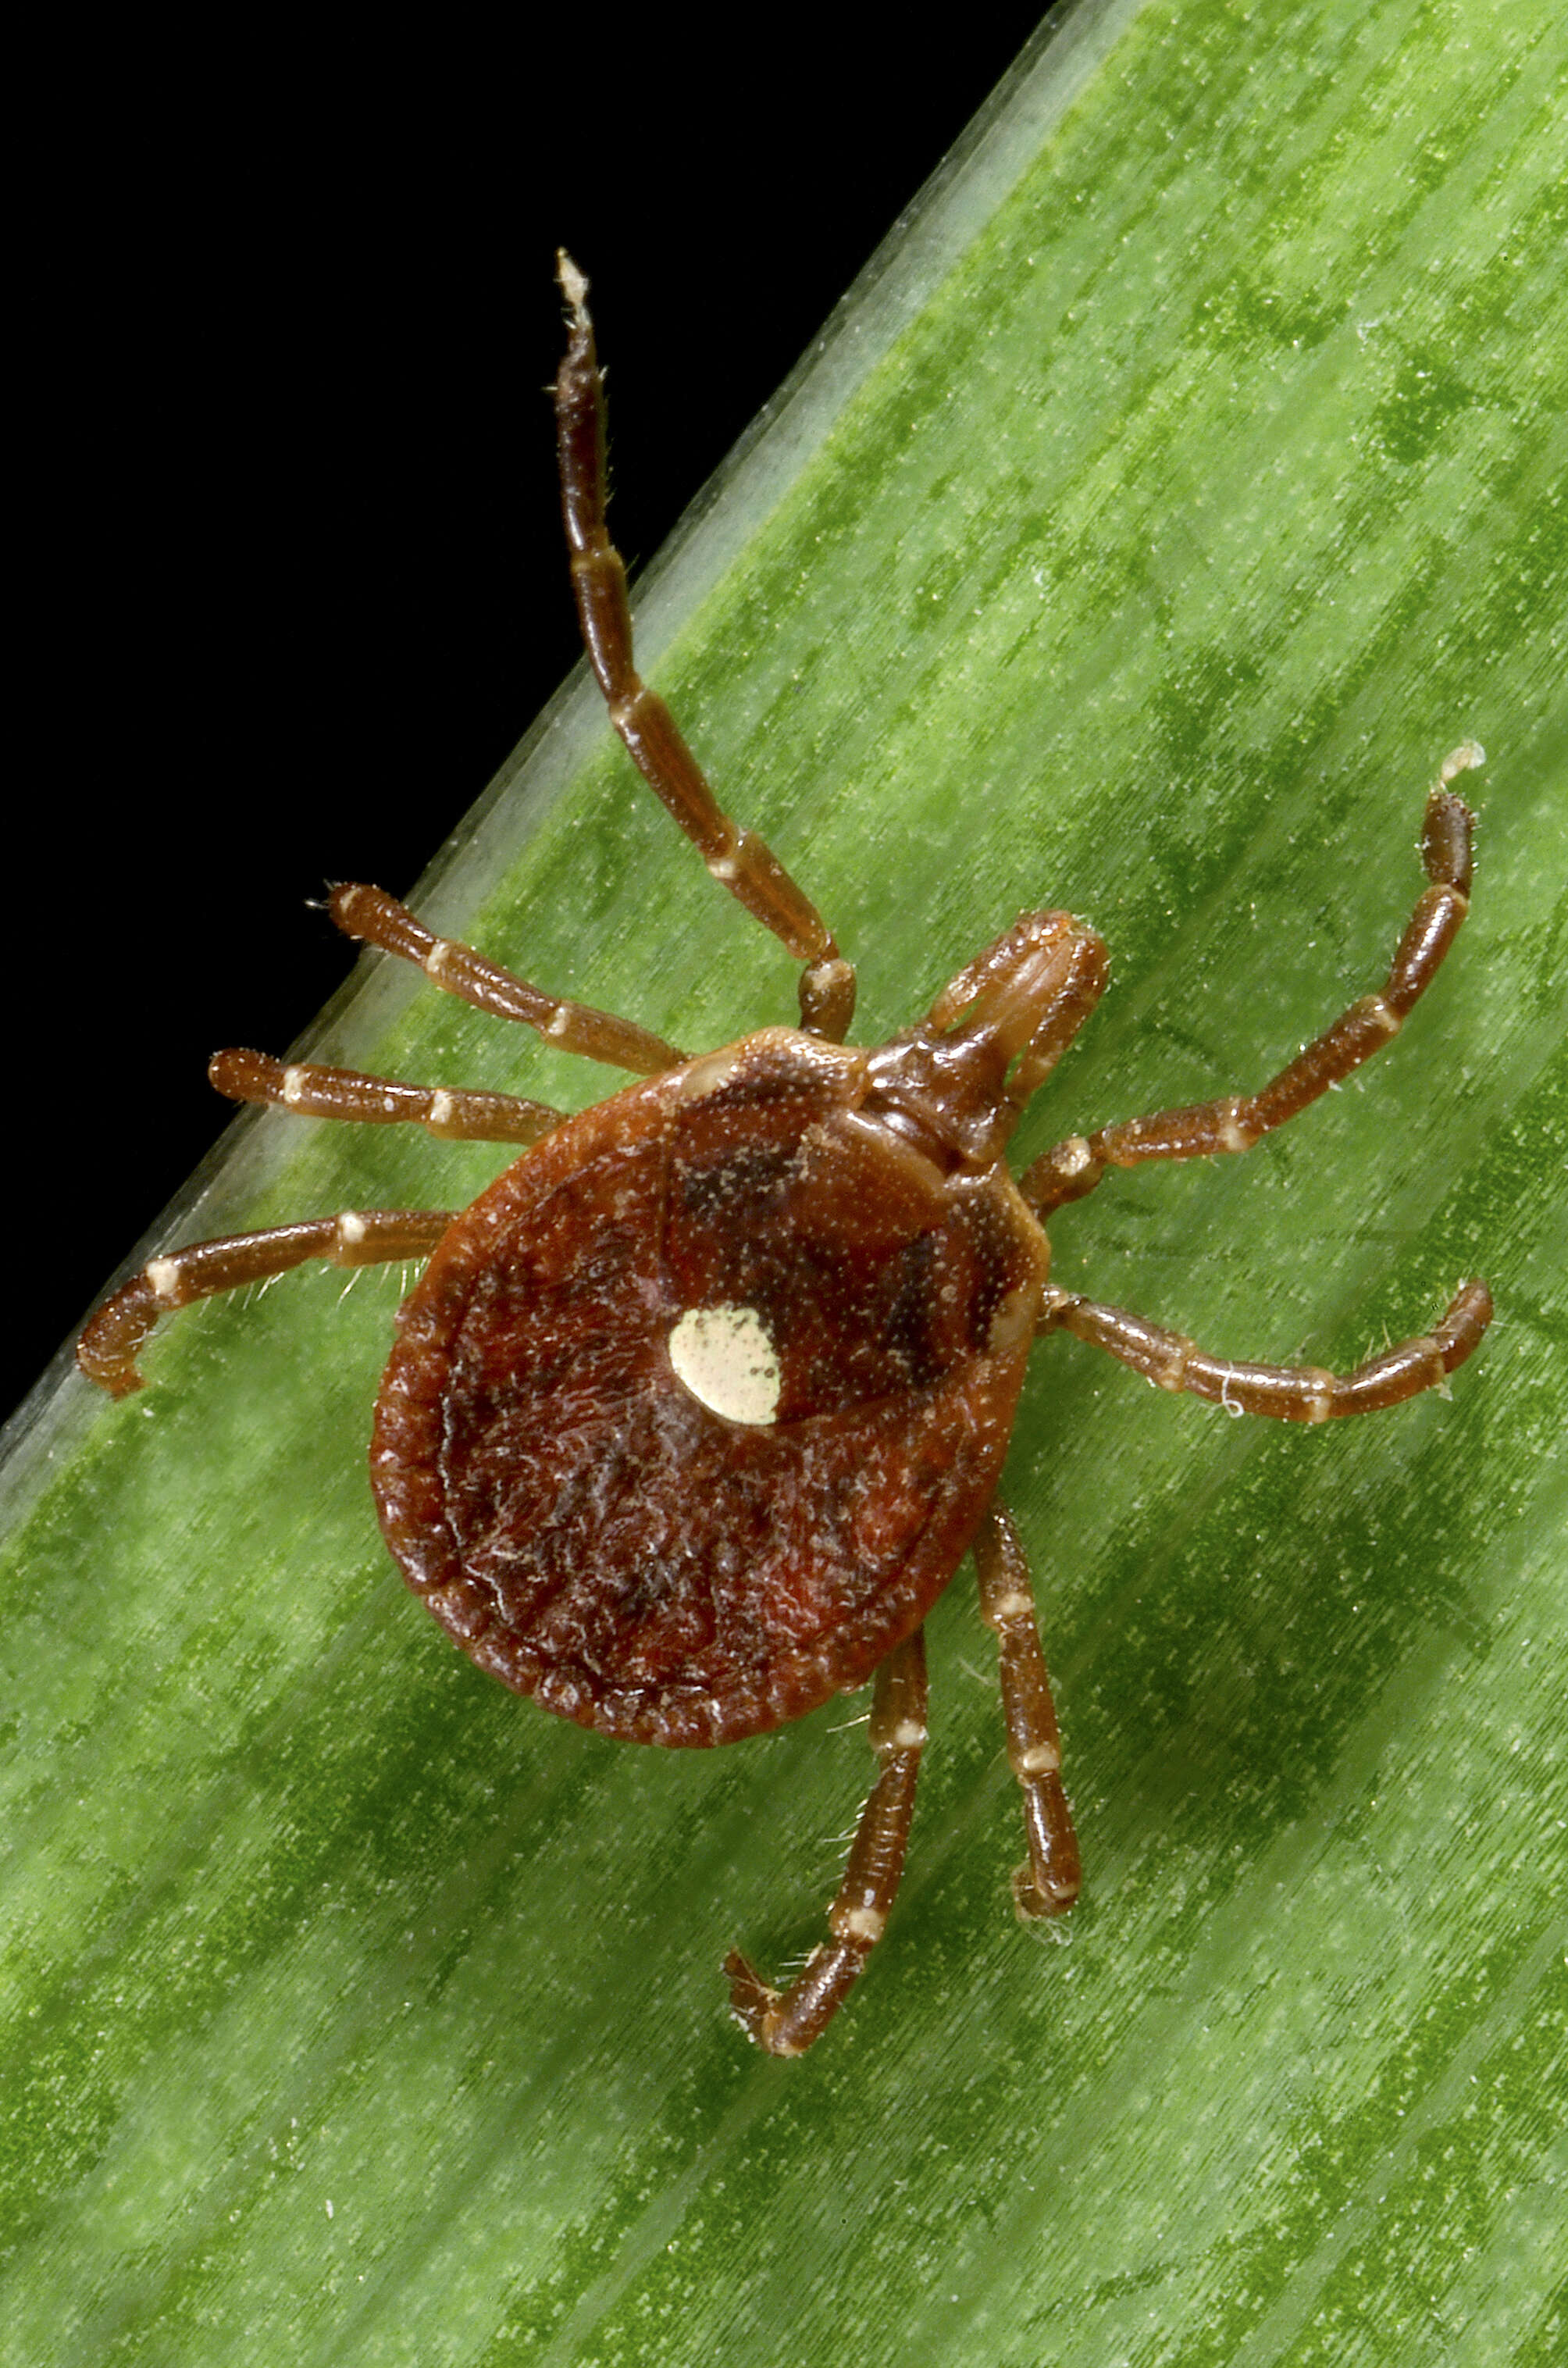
(736, 857)
(378, 919)
(108, 1348)
(1288, 1392)
(1048, 1881)
(1238, 1120)
(786, 2022)
(452, 1113)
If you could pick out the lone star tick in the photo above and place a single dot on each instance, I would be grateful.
(695, 1412)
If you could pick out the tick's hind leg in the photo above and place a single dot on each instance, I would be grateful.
(108, 1348)
(1235, 1122)
(737, 857)
(1048, 1881)
(786, 2022)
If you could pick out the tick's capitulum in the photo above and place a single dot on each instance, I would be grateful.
(696, 1411)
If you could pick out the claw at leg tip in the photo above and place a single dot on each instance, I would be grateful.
(574, 283)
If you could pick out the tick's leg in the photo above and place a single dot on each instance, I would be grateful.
(1290, 1393)
(1047, 1884)
(108, 1348)
(1238, 1120)
(376, 920)
(451, 1113)
(737, 857)
(786, 2022)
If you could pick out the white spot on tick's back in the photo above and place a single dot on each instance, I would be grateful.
(726, 1359)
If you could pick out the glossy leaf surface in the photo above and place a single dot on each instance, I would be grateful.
(1183, 487)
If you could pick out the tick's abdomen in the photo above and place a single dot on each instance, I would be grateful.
(592, 1531)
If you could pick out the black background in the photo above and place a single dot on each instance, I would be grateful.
(288, 318)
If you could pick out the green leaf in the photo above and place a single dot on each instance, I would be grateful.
(1186, 480)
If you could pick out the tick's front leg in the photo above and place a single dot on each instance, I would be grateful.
(736, 857)
(1235, 1122)
(786, 2022)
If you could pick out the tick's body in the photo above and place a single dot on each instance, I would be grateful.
(585, 1523)
(697, 1409)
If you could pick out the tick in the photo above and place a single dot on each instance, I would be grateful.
(694, 1411)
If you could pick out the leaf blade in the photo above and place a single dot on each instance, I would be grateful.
(310, 1915)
